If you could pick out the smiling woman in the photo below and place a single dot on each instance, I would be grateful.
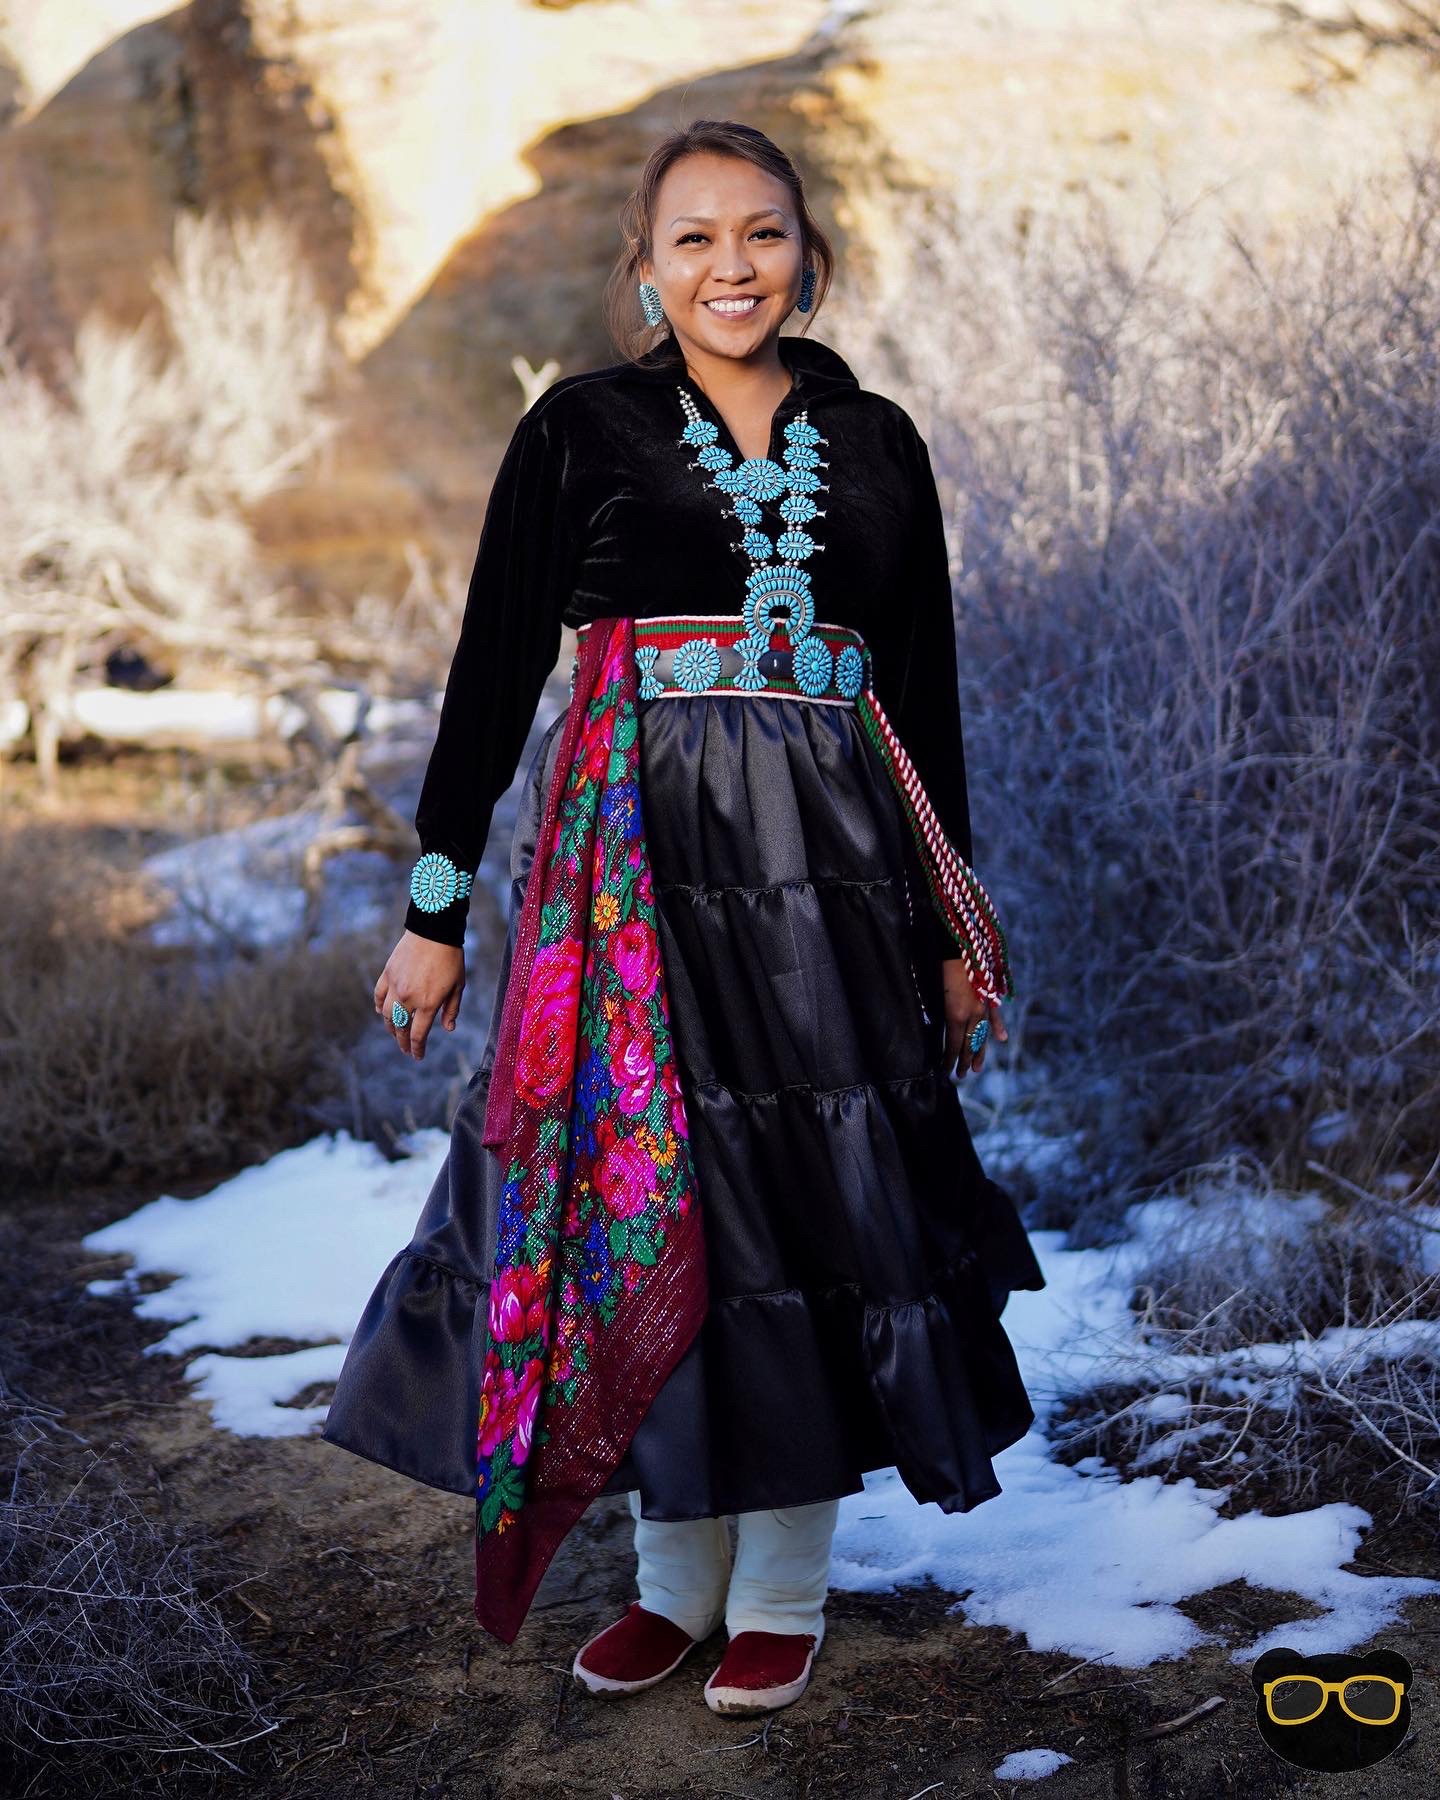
(712, 1232)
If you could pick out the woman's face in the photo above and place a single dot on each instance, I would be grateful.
(725, 233)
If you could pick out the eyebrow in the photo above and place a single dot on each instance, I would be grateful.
(705, 219)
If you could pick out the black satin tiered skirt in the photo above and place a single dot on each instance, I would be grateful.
(858, 1256)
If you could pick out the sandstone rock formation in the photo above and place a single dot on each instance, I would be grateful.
(454, 168)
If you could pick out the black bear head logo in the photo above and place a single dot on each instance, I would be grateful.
(1332, 1713)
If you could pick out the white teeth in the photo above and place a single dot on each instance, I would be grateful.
(732, 306)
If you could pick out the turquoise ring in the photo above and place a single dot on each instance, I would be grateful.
(399, 1018)
(979, 1035)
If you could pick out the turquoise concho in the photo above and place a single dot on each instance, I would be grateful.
(697, 665)
(849, 671)
(813, 665)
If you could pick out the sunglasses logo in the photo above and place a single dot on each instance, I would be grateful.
(1369, 1699)
(1335, 1712)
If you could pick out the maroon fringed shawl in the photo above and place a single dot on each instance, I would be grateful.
(600, 1265)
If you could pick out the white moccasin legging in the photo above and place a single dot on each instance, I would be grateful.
(776, 1581)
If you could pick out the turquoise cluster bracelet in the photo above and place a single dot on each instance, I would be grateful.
(436, 882)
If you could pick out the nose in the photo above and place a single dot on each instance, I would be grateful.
(731, 263)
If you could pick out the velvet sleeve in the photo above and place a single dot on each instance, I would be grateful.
(922, 697)
(509, 641)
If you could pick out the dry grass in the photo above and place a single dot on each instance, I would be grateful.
(121, 1670)
(122, 1060)
(114, 1650)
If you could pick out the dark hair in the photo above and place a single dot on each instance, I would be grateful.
(624, 320)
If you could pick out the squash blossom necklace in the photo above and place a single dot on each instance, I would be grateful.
(784, 586)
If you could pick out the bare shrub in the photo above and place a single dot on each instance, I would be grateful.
(1288, 1344)
(114, 1649)
(1282, 1433)
(121, 1059)
(252, 355)
(1246, 1267)
(1338, 41)
(1195, 510)
(124, 486)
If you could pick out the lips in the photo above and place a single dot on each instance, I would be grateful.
(732, 309)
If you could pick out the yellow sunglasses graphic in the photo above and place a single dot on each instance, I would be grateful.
(1368, 1699)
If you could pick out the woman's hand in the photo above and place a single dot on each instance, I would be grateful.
(427, 979)
(964, 1010)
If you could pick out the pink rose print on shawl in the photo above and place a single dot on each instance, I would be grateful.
(670, 1083)
(497, 1404)
(632, 1059)
(527, 1401)
(594, 759)
(510, 1403)
(625, 1176)
(544, 1053)
(517, 1305)
(636, 953)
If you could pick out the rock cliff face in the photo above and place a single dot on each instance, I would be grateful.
(454, 168)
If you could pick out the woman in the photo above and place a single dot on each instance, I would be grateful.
(711, 1232)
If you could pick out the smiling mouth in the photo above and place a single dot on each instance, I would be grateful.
(732, 309)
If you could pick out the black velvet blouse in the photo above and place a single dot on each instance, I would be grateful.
(595, 511)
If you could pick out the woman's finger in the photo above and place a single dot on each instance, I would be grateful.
(419, 1029)
(990, 1017)
(974, 1059)
(399, 1028)
(997, 1029)
(450, 1013)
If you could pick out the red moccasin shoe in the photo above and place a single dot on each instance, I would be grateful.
(638, 1650)
(761, 1670)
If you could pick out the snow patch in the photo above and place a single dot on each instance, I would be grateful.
(1030, 1765)
(290, 1249)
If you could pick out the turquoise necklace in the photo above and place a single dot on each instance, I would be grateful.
(784, 584)
(781, 585)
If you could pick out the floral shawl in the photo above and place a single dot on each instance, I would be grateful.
(599, 1282)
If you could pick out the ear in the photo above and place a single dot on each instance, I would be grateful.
(1386, 1662)
(1280, 1661)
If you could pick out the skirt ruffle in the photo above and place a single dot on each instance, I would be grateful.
(858, 1256)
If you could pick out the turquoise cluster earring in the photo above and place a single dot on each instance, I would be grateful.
(807, 291)
(650, 303)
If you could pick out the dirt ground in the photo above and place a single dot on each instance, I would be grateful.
(358, 1607)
